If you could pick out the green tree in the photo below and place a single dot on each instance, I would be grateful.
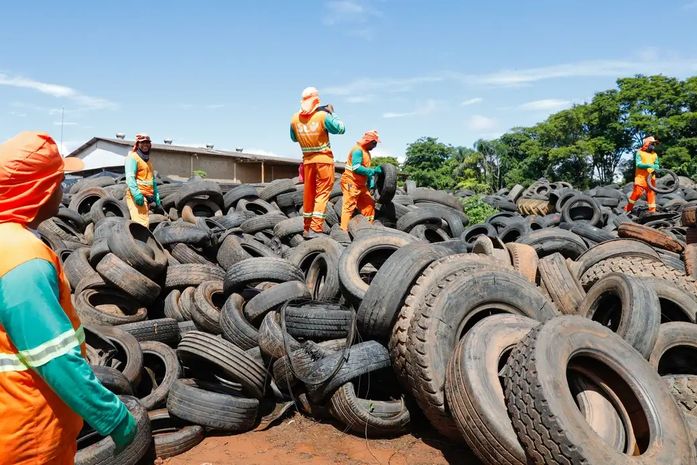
(377, 161)
(430, 163)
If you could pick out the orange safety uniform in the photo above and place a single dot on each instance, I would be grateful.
(641, 185)
(37, 427)
(144, 182)
(355, 190)
(311, 131)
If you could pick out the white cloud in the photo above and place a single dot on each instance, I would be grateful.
(690, 6)
(58, 91)
(214, 106)
(65, 123)
(429, 107)
(472, 101)
(480, 123)
(359, 98)
(368, 85)
(352, 12)
(547, 104)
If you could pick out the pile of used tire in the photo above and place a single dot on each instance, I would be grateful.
(559, 332)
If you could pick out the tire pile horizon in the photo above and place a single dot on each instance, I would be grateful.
(559, 331)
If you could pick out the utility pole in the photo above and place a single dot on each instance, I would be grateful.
(62, 112)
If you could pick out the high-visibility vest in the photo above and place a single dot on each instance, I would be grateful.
(641, 174)
(349, 176)
(145, 175)
(36, 424)
(313, 137)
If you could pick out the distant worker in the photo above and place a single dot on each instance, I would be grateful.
(358, 178)
(646, 160)
(310, 127)
(46, 386)
(140, 179)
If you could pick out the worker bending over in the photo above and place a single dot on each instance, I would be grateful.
(46, 386)
(357, 179)
(646, 160)
(310, 127)
(140, 179)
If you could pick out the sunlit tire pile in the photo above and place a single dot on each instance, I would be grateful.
(559, 331)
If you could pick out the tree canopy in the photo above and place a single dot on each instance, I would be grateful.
(588, 144)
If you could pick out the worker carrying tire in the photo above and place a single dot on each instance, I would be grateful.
(140, 179)
(358, 179)
(310, 127)
(646, 160)
(46, 386)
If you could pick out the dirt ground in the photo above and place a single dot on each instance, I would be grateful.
(298, 439)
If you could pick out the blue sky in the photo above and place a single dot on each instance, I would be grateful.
(231, 73)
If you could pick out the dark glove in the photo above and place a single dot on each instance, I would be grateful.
(124, 433)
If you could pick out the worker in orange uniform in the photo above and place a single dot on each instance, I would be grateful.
(140, 179)
(646, 160)
(46, 386)
(358, 178)
(310, 127)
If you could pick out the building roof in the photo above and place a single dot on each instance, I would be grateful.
(251, 157)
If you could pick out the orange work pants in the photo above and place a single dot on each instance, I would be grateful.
(139, 213)
(319, 181)
(355, 197)
(636, 194)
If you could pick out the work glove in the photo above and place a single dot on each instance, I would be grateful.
(371, 182)
(139, 199)
(124, 433)
(378, 169)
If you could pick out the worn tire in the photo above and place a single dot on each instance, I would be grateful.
(272, 299)
(128, 280)
(561, 285)
(171, 435)
(208, 301)
(235, 326)
(649, 235)
(255, 270)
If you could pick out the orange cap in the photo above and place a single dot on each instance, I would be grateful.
(31, 168)
(142, 137)
(368, 137)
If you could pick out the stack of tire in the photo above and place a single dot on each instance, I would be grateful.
(224, 311)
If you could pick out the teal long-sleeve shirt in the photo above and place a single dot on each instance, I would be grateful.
(357, 164)
(640, 164)
(332, 124)
(35, 322)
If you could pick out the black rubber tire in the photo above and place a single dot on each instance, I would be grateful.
(255, 270)
(185, 254)
(108, 207)
(197, 348)
(548, 241)
(128, 280)
(72, 218)
(128, 358)
(474, 391)
(373, 248)
(235, 326)
(684, 391)
(386, 183)
(538, 409)
(675, 351)
(374, 418)
(212, 405)
(82, 201)
(77, 266)
(171, 435)
(276, 188)
(590, 232)
(262, 222)
(243, 191)
(113, 380)
(628, 307)
(199, 189)
(191, 274)
(208, 302)
(676, 304)
(444, 317)
(362, 358)
(162, 330)
(561, 285)
(322, 278)
(271, 337)
(134, 244)
(177, 233)
(626, 248)
(235, 249)
(172, 306)
(165, 358)
(273, 298)
(107, 307)
(419, 216)
(289, 227)
(390, 286)
(568, 215)
(483, 229)
(102, 452)
(318, 321)
(422, 194)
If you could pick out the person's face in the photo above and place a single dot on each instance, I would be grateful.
(144, 146)
(651, 147)
(371, 145)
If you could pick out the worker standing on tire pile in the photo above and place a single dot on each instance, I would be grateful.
(646, 160)
(358, 178)
(46, 385)
(140, 179)
(310, 127)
